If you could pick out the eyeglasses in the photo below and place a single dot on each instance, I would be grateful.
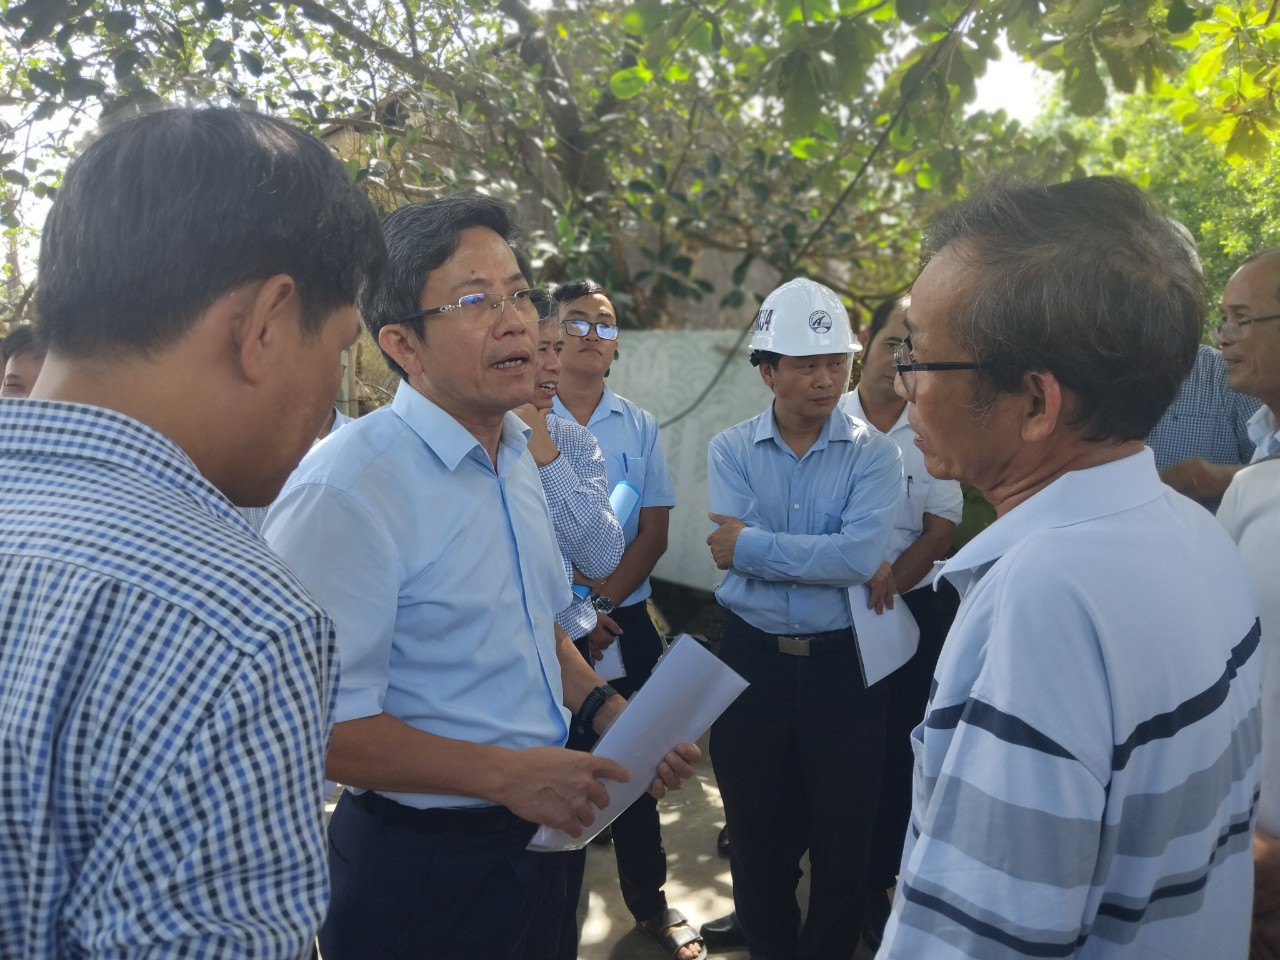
(1235, 328)
(907, 368)
(580, 328)
(534, 303)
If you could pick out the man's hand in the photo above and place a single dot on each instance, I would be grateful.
(541, 446)
(882, 589)
(723, 539)
(674, 769)
(1199, 479)
(558, 788)
(605, 632)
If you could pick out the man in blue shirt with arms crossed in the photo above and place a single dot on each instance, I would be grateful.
(804, 497)
(424, 531)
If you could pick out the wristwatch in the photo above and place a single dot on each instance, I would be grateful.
(591, 706)
(602, 603)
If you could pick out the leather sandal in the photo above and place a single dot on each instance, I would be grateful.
(671, 940)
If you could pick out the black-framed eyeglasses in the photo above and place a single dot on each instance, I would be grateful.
(580, 328)
(532, 303)
(907, 368)
(1234, 328)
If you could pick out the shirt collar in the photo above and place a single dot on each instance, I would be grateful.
(1262, 430)
(1075, 497)
(837, 428)
(851, 403)
(446, 437)
(610, 403)
(55, 430)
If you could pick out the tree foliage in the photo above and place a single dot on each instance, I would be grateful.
(685, 152)
(1232, 210)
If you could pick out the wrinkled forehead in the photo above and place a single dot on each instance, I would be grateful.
(943, 289)
(1256, 282)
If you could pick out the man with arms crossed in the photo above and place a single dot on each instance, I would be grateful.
(423, 530)
(1086, 771)
(165, 681)
(804, 498)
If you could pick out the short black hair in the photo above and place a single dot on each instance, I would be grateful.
(765, 356)
(20, 340)
(1085, 280)
(577, 289)
(420, 237)
(880, 316)
(164, 213)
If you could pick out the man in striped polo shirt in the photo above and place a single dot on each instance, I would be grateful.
(1087, 768)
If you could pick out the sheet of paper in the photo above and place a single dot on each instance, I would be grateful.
(687, 690)
(610, 665)
(885, 640)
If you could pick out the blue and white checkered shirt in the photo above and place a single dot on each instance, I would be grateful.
(1207, 419)
(587, 532)
(166, 686)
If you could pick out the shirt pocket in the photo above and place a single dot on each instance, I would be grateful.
(910, 512)
(629, 468)
(826, 514)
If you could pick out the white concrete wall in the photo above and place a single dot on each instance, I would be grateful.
(664, 371)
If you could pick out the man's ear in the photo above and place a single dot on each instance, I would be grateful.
(863, 337)
(1043, 401)
(265, 322)
(766, 374)
(403, 346)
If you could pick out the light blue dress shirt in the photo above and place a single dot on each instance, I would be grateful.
(442, 574)
(628, 438)
(813, 523)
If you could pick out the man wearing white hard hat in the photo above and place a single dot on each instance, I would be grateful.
(803, 497)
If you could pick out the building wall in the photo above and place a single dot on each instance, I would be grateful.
(664, 371)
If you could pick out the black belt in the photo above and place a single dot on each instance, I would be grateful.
(436, 819)
(798, 645)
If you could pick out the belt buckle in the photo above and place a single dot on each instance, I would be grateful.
(794, 646)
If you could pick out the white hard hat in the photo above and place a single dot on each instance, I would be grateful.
(803, 319)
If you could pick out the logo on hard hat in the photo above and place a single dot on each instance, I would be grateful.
(819, 321)
(764, 321)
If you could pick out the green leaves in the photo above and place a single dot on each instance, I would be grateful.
(628, 83)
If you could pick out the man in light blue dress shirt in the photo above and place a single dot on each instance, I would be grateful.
(803, 497)
(422, 528)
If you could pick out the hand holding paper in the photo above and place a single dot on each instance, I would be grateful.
(687, 690)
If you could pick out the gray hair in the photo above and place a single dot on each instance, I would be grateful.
(1085, 280)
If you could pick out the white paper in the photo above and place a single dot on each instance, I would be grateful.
(610, 667)
(688, 689)
(885, 640)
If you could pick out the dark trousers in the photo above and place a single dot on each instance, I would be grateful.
(637, 835)
(399, 893)
(908, 695)
(798, 758)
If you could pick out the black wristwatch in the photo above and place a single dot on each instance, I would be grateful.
(591, 705)
(602, 603)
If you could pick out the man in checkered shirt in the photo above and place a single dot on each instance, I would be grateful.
(165, 682)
